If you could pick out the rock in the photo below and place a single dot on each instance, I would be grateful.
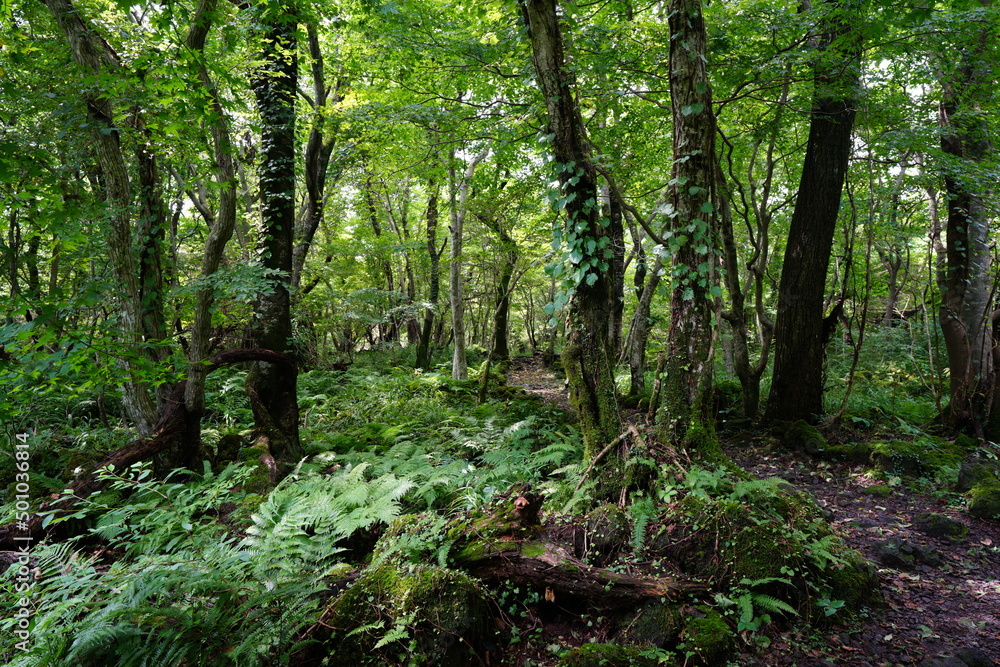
(901, 554)
(602, 655)
(608, 530)
(942, 661)
(939, 525)
(428, 614)
(974, 657)
(802, 437)
(852, 452)
(920, 457)
(709, 637)
(984, 501)
(657, 625)
(975, 472)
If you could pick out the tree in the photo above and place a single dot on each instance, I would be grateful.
(100, 60)
(272, 386)
(685, 414)
(458, 197)
(801, 332)
(967, 301)
(586, 358)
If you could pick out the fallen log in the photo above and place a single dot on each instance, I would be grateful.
(547, 565)
(508, 542)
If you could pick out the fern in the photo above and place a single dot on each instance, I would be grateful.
(298, 527)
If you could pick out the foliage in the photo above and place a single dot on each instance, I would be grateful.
(183, 589)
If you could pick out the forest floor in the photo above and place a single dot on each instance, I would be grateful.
(945, 605)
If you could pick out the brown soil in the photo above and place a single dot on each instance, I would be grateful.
(930, 610)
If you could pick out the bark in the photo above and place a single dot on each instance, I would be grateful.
(151, 228)
(221, 225)
(508, 255)
(272, 388)
(638, 338)
(616, 274)
(586, 358)
(748, 373)
(685, 415)
(739, 316)
(98, 59)
(800, 343)
(458, 195)
(424, 348)
(966, 300)
(319, 148)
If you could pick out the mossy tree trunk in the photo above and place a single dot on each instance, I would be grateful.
(272, 388)
(98, 59)
(685, 416)
(587, 360)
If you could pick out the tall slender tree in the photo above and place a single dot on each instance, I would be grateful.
(586, 357)
(685, 414)
(272, 387)
(800, 333)
(967, 300)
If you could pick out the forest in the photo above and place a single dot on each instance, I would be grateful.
(499, 332)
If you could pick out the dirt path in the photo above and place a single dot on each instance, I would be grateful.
(532, 375)
(946, 604)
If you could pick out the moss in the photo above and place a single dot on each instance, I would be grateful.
(940, 525)
(855, 582)
(79, 463)
(852, 452)
(424, 615)
(608, 530)
(772, 540)
(984, 501)
(878, 490)
(965, 442)
(802, 437)
(657, 625)
(532, 550)
(240, 516)
(606, 655)
(917, 458)
(975, 472)
(709, 637)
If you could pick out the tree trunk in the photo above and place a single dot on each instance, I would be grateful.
(638, 338)
(272, 388)
(424, 348)
(800, 340)
(616, 232)
(458, 195)
(685, 415)
(588, 364)
(98, 59)
(966, 300)
(221, 225)
(319, 147)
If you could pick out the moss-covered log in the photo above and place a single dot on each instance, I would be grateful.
(547, 565)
